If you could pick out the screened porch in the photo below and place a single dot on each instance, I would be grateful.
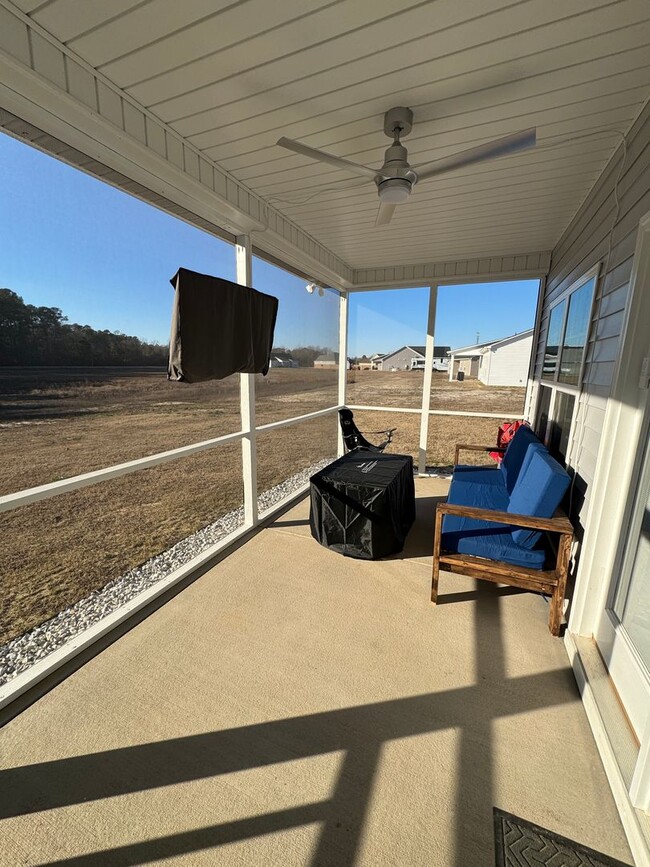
(259, 699)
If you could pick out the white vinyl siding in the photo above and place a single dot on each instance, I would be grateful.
(401, 360)
(507, 364)
(583, 245)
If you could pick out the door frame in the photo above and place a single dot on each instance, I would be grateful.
(627, 670)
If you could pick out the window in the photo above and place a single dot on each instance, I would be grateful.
(568, 329)
(564, 356)
(559, 429)
(553, 341)
(553, 420)
(575, 333)
(543, 409)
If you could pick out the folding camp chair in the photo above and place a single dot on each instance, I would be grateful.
(354, 439)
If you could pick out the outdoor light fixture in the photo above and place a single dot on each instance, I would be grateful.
(394, 191)
(313, 287)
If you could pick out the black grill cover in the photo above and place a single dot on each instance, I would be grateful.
(363, 505)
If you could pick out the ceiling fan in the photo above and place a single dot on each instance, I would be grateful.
(396, 178)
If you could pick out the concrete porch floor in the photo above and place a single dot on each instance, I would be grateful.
(294, 707)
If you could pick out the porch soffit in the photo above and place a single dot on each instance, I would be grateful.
(142, 90)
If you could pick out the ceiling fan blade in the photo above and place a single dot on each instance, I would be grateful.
(384, 214)
(500, 147)
(323, 157)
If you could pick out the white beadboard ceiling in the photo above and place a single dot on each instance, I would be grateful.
(231, 77)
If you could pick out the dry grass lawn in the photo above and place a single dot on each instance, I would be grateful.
(58, 423)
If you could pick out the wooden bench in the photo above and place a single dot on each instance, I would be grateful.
(551, 582)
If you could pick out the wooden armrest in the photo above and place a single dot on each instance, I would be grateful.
(559, 523)
(468, 447)
(475, 448)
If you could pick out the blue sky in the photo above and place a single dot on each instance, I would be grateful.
(383, 321)
(68, 240)
(105, 258)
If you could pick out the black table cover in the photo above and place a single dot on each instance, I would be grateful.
(363, 504)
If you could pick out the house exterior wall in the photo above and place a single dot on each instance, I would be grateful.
(604, 232)
(508, 363)
(586, 242)
(400, 360)
(440, 363)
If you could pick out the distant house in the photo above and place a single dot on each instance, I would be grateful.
(364, 363)
(497, 362)
(413, 358)
(328, 359)
(376, 360)
(282, 358)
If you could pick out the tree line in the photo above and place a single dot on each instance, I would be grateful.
(31, 335)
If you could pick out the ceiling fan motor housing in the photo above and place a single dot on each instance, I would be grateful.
(395, 178)
(398, 121)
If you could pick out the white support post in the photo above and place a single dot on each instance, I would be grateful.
(244, 263)
(531, 390)
(452, 359)
(426, 384)
(343, 361)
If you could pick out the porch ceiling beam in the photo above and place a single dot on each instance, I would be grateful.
(529, 266)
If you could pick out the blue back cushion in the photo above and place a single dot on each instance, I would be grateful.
(514, 455)
(539, 491)
(530, 451)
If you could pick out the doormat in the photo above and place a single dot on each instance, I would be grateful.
(519, 843)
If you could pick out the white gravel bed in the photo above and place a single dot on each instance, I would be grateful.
(21, 653)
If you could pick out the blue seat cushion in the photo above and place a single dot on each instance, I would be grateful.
(539, 490)
(515, 454)
(483, 488)
(479, 475)
(486, 539)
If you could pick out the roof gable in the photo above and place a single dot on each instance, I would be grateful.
(438, 351)
(477, 348)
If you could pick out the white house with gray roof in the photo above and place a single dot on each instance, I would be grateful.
(497, 362)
